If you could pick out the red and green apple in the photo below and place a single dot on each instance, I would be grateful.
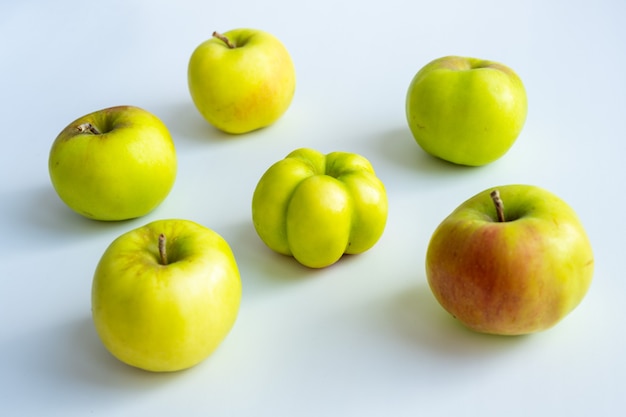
(510, 260)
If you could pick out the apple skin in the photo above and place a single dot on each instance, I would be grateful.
(244, 88)
(170, 317)
(122, 172)
(515, 277)
(466, 111)
(317, 207)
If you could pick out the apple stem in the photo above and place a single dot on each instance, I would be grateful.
(88, 127)
(224, 39)
(162, 250)
(495, 196)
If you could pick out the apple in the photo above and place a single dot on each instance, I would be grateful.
(241, 80)
(318, 207)
(165, 295)
(467, 111)
(511, 260)
(113, 164)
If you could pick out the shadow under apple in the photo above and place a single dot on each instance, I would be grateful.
(189, 128)
(38, 219)
(415, 316)
(399, 148)
(68, 358)
(262, 269)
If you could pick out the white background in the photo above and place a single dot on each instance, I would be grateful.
(364, 337)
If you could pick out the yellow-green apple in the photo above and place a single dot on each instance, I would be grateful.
(510, 260)
(465, 110)
(165, 295)
(317, 207)
(113, 164)
(241, 80)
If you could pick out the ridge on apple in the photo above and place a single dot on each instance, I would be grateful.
(467, 111)
(241, 80)
(510, 260)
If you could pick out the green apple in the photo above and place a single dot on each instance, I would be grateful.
(113, 164)
(317, 207)
(165, 295)
(466, 110)
(242, 80)
(510, 260)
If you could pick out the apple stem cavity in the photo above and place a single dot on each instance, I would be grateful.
(495, 196)
(162, 249)
(88, 127)
(224, 39)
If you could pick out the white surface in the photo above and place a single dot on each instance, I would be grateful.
(364, 337)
